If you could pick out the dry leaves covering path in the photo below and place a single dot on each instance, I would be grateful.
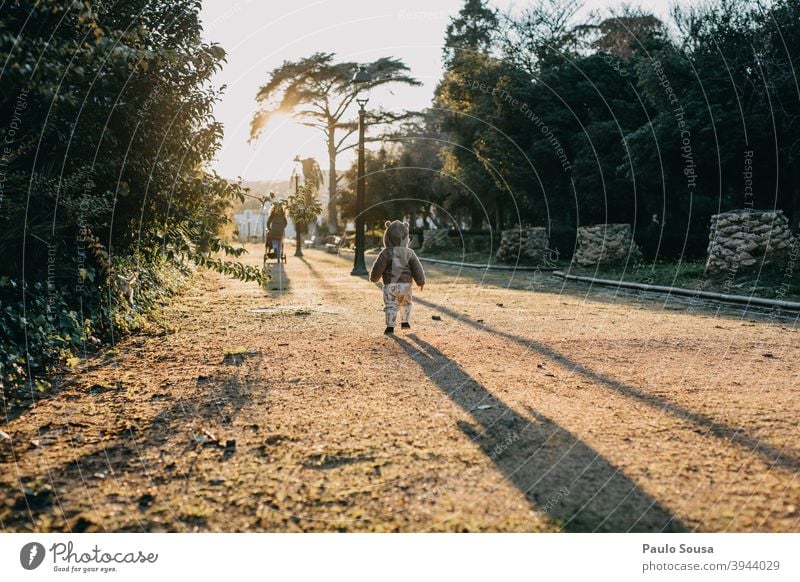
(524, 406)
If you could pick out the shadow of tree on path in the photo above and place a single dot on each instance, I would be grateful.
(138, 448)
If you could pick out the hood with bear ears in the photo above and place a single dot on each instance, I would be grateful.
(396, 234)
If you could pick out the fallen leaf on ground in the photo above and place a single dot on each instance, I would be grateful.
(206, 437)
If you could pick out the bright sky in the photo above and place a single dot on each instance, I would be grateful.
(259, 35)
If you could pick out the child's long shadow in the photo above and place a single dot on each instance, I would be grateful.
(557, 472)
(707, 426)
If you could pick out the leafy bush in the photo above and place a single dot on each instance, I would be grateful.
(108, 130)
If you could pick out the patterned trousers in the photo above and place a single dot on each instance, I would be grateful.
(397, 297)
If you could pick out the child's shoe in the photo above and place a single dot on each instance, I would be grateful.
(405, 325)
(388, 330)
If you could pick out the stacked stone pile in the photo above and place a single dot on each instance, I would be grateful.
(605, 244)
(746, 238)
(517, 243)
(435, 239)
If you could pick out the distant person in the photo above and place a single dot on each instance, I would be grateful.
(398, 266)
(276, 228)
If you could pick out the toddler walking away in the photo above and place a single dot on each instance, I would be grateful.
(398, 266)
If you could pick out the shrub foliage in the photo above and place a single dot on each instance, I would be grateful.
(107, 129)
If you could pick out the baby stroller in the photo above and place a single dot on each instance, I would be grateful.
(271, 250)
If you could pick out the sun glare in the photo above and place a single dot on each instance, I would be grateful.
(283, 138)
(278, 120)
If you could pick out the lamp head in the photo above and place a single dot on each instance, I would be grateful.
(362, 80)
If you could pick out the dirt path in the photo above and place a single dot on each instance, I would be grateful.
(527, 406)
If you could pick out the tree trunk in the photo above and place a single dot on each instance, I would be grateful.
(499, 214)
(476, 218)
(794, 222)
(333, 221)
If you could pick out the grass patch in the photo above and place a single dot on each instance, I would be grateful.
(772, 282)
(483, 258)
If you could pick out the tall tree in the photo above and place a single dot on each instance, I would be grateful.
(319, 91)
(464, 99)
(471, 30)
(541, 34)
(779, 51)
(620, 34)
(313, 179)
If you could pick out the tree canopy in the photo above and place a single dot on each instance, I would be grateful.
(319, 92)
(554, 121)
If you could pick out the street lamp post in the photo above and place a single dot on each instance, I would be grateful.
(361, 79)
(298, 246)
